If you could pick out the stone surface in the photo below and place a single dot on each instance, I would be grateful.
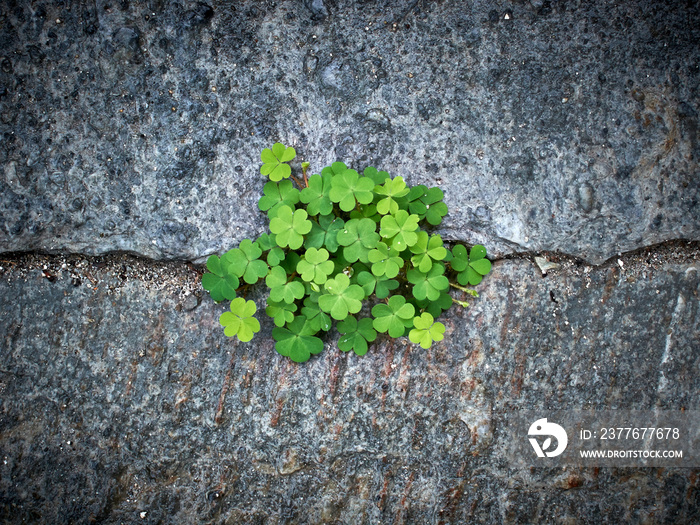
(123, 402)
(137, 126)
(568, 130)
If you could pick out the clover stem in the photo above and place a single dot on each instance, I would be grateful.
(298, 182)
(465, 290)
(304, 167)
(463, 304)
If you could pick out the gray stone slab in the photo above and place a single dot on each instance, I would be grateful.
(122, 401)
(136, 126)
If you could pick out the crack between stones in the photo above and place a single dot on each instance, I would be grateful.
(673, 250)
(174, 273)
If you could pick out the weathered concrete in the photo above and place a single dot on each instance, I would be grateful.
(551, 125)
(121, 396)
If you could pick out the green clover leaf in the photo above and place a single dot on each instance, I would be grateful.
(311, 287)
(385, 261)
(245, 261)
(394, 317)
(290, 262)
(335, 169)
(222, 282)
(280, 289)
(479, 265)
(356, 334)
(428, 285)
(341, 297)
(415, 193)
(436, 307)
(381, 286)
(290, 227)
(324, 234)
(315, 195)
(427, 204)
(435, 208)
(366, 211)
(459, 259)
(391, 190)
(297, 341)
(315, 266)
(358, 237)
(266, 242)
(400, 229)
(385, 287)
(315, 317)
(425, 331)
(277, 194)
(379, 177)
(274, 162)
(426, 251)
(239, 321)
(275, 256)
(280, 312)
(348, 187)
(473, 267)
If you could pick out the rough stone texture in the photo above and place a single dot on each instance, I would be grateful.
(123, 402)
(569, 126)
(552, 126)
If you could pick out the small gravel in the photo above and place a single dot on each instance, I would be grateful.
(180, 278)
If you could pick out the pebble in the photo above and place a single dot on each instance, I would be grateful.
(546, 265)
(585, 195)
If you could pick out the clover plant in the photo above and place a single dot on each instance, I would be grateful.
(345, 247)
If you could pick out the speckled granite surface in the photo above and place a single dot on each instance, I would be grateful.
(122, 396)
(565, 129)
(551, 125)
